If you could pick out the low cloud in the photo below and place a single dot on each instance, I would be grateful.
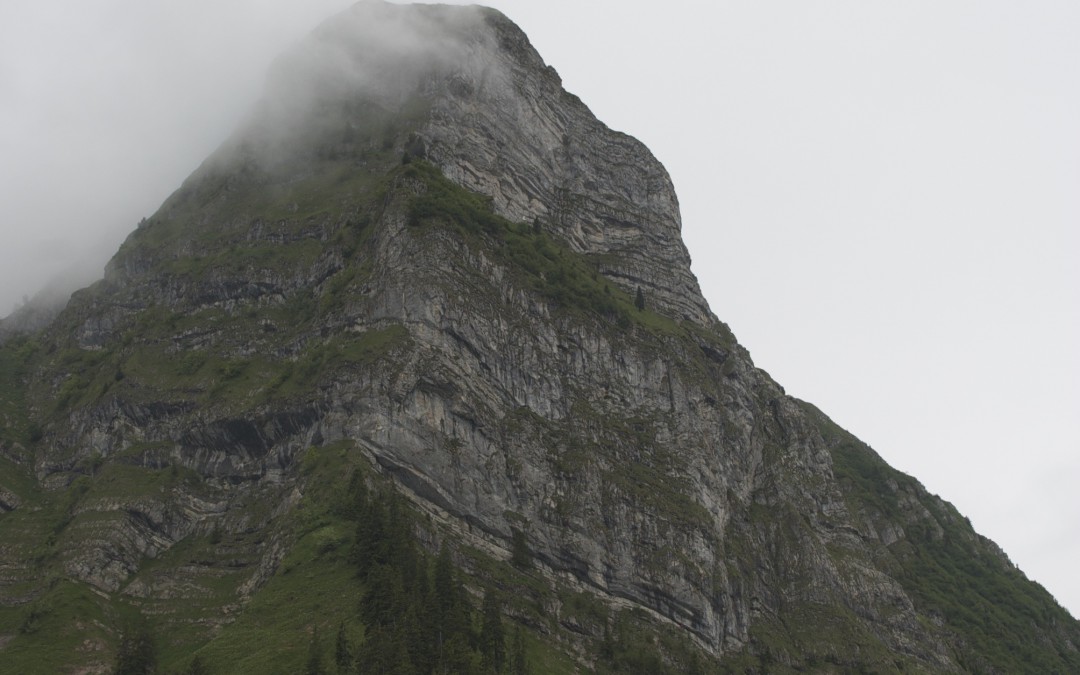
(108, 107)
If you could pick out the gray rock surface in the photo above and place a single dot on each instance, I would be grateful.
(650, 464)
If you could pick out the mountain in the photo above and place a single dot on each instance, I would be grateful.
(417, 359)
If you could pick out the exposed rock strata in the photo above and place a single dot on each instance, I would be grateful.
(650, 464)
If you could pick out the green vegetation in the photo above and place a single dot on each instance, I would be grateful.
(298, 255)
(16, 355)
(326, 187)
(985, 599)
(51, 632)
(294, 379)
(416, 611)
(953, 573)
(538, 261)
(205, 376)
(137, 654)
(822, 638)
(520, 555)
(355, 579)
(652, 486)
(355, 571)
(216, 213)
(649, 476)
(632, 644)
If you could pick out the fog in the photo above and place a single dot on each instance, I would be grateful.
(880, 198)
(369, 59)
(106, 106)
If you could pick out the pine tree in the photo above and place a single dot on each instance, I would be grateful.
(384, 600)
(423, 647)
(458, 657)
(519, 664)
(520, 555)
(400, 550)
(136, 655)
(197, 667)
(443, 584)
(417, 641)
(370, 536)
(639, 299)
(492, 640)
(342, 653)
(384, 652)
(356, 497)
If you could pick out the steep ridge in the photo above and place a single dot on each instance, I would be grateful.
(422, 260)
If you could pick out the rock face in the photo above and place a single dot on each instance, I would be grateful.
(499, 123)
(469, 321)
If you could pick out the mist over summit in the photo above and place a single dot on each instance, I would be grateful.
(417, 359)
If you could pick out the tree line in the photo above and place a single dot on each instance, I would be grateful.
(418, 617)
(417, 613)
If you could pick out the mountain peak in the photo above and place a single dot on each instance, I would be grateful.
(471, 95)
(423, 269)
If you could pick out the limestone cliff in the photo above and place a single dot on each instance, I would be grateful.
(422, 254)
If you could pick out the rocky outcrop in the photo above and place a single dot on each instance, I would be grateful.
(502, 125)
(486, 352)
(472, 95)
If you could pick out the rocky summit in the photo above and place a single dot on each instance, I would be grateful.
(412, 375)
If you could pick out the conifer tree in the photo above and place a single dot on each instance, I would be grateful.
(417, 640)
(520, 555)
(342, 653)
(383, 601)
(519, 664)
(492, 640)
(384, 652)
(370, 536)
(136, 655)
(197, 667)
(458, 657)
(400, 549)
(424, 649)
(355, 497)
(443, 584)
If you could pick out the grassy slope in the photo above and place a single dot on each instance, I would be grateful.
(1004, 621)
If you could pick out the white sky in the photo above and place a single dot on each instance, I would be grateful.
(882, 199)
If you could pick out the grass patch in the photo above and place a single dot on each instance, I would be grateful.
(314, 587)
(294, 379)
(241, 260)
(61, 631)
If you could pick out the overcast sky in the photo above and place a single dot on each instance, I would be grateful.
(882, 199)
